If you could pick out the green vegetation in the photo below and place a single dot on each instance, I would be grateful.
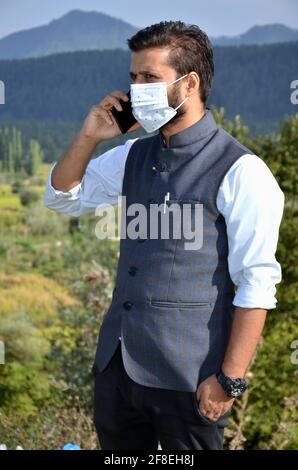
(56, 281)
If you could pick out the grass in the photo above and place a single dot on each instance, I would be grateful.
(34, 294)
(9, 201)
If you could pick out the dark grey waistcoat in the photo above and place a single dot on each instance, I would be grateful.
(172, 307)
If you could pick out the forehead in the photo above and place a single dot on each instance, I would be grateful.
(153, 59)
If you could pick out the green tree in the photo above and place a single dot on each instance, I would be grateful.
(34, 157)
(17, 149)
(4, 148)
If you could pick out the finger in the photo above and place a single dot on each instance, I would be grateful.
(205, 407)
(108, 117)
(111, 117)
(100, 112)
(216, 413)
(120, 94)
(111, 101)
(211, 415)
(215, 416)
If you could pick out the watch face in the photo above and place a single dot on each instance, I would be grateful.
(235, 393)
(238, 387)
(232, 387)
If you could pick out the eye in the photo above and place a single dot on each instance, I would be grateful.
(148, 75)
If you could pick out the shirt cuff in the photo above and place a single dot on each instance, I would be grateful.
(72, 194)
(248, 296)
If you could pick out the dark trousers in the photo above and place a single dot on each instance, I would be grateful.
(129, 416)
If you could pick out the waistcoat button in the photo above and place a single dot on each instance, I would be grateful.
(132, 270)
(127, 305)
(163, 167)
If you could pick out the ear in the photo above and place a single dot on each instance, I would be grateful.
(193, 84)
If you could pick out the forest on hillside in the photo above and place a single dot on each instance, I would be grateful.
(253, 81)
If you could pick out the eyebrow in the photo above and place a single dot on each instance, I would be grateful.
(143, 72)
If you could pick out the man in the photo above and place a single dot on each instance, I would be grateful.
(177, 339)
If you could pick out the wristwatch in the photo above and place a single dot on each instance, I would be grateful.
(232, 387)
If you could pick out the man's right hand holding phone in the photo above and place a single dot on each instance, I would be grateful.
(98, 126)
(100, 123)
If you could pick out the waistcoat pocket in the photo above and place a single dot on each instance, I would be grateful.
(169, 303)
(180, 202)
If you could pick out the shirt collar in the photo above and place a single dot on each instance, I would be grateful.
(193, 133)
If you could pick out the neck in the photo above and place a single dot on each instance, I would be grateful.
(188, 120)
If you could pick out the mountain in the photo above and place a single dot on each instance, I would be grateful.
(266, 34)
(81, 30)
(253, 81)
(77, 30)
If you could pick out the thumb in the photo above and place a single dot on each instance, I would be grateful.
(199, 392)
(134, 127)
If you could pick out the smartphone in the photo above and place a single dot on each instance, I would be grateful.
(125, 119)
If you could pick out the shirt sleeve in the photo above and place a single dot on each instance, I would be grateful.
(252, 204)
(100, 184)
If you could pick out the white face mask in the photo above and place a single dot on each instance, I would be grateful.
(150, 104)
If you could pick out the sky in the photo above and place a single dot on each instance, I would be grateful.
(216, 17)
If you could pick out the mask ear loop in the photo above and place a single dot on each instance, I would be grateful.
(186, 96)
(182, 103)
(178, 79)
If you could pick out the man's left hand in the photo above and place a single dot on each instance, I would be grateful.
(213, 401)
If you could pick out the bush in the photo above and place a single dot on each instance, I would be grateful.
(28, 196)
(16, 187)
(41, 221)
